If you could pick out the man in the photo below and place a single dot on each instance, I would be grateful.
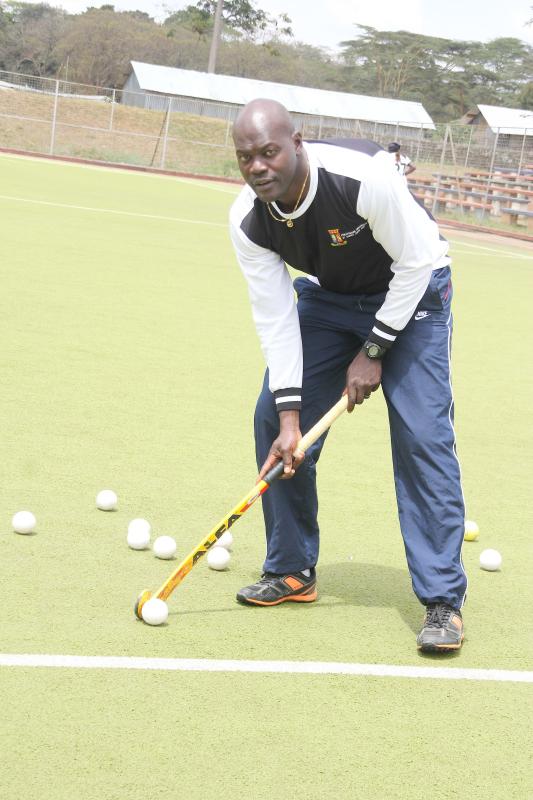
(374, 311)
(403, 164)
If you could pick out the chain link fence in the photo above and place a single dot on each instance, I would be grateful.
(62, 118)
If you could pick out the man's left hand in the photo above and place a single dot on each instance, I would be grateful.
(363, 378)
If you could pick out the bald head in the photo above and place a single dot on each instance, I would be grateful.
(269, 150)
(266, 116)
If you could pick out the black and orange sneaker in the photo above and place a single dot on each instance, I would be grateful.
(442, 629)
(273, 589)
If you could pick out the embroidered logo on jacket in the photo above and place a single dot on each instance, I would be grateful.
(339, 239)
(336, 237)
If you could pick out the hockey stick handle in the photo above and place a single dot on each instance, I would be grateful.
(311, 436)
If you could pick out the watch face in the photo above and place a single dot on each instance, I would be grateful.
(373, 350)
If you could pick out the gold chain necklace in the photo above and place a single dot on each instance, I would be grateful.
(288, 220)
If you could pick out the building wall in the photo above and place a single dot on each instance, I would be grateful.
(311, 126)
(132, 94)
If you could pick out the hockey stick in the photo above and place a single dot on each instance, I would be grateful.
(248, 500)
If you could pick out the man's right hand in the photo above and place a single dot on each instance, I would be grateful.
(284, 446)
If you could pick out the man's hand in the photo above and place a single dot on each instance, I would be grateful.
(284, 445)
(363, 378)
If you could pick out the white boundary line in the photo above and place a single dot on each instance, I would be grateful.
(114, 211)
(213, 184)
(181, 220)
(493, 254)
(210, 183)
(278, 667)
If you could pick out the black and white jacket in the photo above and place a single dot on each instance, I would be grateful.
(358, 231)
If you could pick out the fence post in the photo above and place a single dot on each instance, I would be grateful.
(491, 169)
(469, 143)
(519, 170)
(228, 125)
(437, 187)
(165, 137)
(420, 131)
(112, 110)
(457, 179)
(54, 117)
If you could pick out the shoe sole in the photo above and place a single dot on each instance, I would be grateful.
(434, 648)
(308, 597)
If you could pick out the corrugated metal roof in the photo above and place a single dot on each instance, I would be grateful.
(297, 99)
(508, 120)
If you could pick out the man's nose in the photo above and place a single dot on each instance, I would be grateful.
(257, 166)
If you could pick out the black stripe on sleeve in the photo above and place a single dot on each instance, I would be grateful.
(288, 399)
(382, 334)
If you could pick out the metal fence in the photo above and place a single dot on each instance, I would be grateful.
(58, 117)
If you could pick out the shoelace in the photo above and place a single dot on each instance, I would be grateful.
(438, 615)
(266, 577)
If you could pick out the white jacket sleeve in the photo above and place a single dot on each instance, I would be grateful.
(275, 316)
(409, 236)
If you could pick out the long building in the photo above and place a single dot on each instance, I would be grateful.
(501, 120)
(160, 88)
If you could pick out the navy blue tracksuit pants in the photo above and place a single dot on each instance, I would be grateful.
(417, 388)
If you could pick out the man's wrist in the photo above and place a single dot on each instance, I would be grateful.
(373, 350)
(289, 419)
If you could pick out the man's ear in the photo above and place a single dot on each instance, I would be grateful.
(297, 139)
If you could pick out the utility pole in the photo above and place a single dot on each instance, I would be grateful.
(216, 37)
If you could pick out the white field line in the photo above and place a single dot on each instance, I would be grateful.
(278, 667)
(114, 211)
(214, 185)
(500, 254)
(495, 253)
(491, 251)
(202, 183)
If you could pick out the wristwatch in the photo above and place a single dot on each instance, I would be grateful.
(373, 350)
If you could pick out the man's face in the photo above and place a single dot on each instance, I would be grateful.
(267, 159)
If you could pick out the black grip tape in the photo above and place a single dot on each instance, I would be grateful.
(274, 473)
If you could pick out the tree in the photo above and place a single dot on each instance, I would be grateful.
(31, 35)
(240, 18)
(525, 98)
(392, 60)
(283, 62)
(240, 21)
(100, 44)
(447, 76)
(193, 19)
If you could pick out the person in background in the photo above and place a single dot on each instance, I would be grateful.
(403, 164)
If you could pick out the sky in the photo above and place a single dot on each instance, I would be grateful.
(480, 20)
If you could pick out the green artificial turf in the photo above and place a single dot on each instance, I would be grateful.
(115, 735)
(129, 361)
